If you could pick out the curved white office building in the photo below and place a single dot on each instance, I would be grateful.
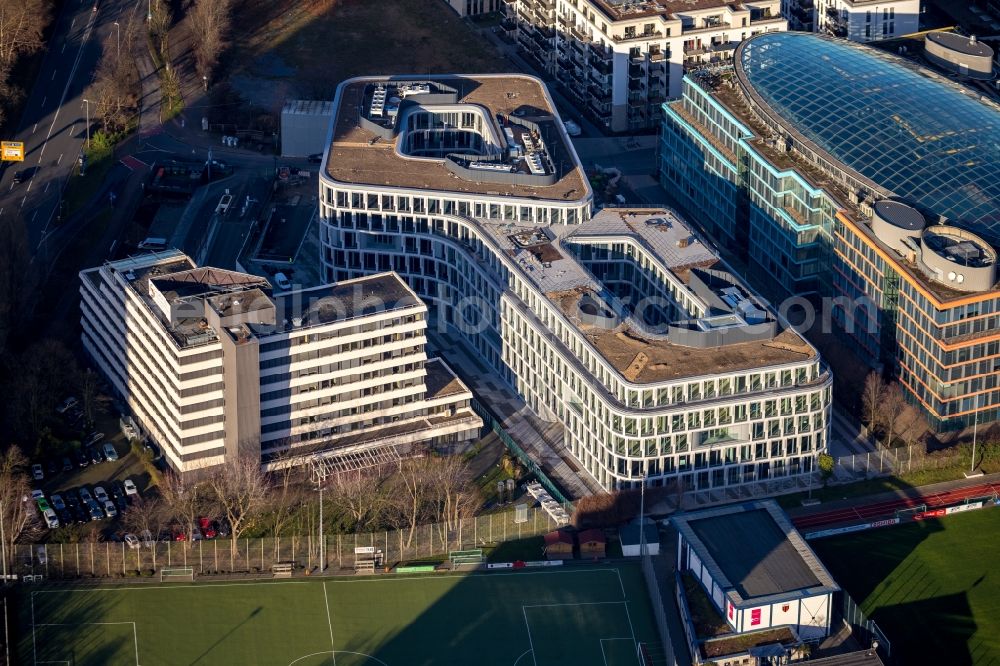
(625, 327)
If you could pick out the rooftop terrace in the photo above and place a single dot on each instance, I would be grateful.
(544, 258)
(360, 155)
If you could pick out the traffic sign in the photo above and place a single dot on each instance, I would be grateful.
(12, 151)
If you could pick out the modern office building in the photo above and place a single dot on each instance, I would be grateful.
(626, 328)
(215, 366)
(620, 59)
(856, 20)
(774, 154)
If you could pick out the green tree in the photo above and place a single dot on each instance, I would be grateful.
(825, 462)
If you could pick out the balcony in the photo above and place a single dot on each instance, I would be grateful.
(600, 93)
(693, 49)
(659, 56)
(602, 67)
(629, 37)
(579, 34)
(636, 72)
(600, 52)
(601, 109)
(637, 58)
(600, 79)
(636, 86)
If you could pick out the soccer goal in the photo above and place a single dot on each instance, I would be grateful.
(176, 575)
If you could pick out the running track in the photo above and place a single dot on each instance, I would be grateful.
(889, 507)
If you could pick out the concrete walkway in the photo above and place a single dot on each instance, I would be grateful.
(542, 440)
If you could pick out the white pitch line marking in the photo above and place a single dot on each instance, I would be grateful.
(34, 129)
(59, 160)
(329, 623)
(47, 183)
(63, 48)
(56, 71)
(44, 100)
(34, 216)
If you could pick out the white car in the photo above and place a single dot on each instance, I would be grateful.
(50, 519)
(37, 495)
(109, 508)
(132, 541)
(100, 494)
(36, 472)
(130, 489)
(572, 128)
(282, 281)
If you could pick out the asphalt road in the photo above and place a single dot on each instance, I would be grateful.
(53, 125)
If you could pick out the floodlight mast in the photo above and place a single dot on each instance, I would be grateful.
(319, 474)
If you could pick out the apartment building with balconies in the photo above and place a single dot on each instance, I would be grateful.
(856, 20)
(215, 366)
(619, 60)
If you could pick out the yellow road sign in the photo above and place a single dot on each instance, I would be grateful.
(12, 151)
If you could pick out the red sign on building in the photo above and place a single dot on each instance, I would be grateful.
(754, 617)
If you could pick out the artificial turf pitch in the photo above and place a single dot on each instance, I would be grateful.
(933, 586)
(572, 616)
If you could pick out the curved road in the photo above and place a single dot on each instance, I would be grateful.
(53, 124)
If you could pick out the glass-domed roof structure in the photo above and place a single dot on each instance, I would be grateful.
(908, 131)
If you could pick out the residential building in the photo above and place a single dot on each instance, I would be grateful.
(618, 60)
(856, 20)
(761, 576)
(626, 328)
(215, 366)
(771, 156)
(476, 7)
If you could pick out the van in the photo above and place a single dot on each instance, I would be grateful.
(153, 244)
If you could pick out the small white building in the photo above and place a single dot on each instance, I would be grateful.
(305, 124)
(757, 569)
(631, 536)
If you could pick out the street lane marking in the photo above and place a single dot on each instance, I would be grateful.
(34, 216)
(56, 71)
(47, 183)
(44, 99)
(34, 129)
(63, 48)
(59, 160)
(23, 200)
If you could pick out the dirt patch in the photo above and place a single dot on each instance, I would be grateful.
(305, 49)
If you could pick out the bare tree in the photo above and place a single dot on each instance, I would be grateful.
(240, 489)
(455, 497)
(145, 515)
(116, 88)
(871, 398)
(22, 23)
(160, 19)
(184, 501)
(210, 22)
(890, 409)
(18, 514)
(363, 495)
(411, 493)
(283, 499)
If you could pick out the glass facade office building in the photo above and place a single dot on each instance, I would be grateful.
(782, 156)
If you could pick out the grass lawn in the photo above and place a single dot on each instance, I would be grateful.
(579, 616)
(931, 586)
(316, 44)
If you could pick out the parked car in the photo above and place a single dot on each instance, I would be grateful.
(85, 495)
(51, 466)
(205, 525)
(572, 129)
(81, 459)
(67, 404)
(282, 282)
(50, 518)
(93, 438)
(94, 454)
(57, 502)
(122, 504)
(110, 509)
(100, 494)
(42, 554)
(132, 541)
(67, 465)
(117, 489)
(147, 538)
(315, 158)
(109, 452)
(95, 511)
(43, 504)
(36, 472)
(36, 495)
(79, 514)
(130, 489)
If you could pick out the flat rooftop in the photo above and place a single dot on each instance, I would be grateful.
(329, 303)
(359, 156)
(623, 10)
(754, 550)
(543, 258)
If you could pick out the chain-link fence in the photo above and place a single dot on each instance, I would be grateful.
(252, 556)
(868, 634)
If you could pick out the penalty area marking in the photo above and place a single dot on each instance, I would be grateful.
(135, 635)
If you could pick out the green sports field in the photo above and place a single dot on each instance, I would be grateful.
(933, 586)
(572, 616)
